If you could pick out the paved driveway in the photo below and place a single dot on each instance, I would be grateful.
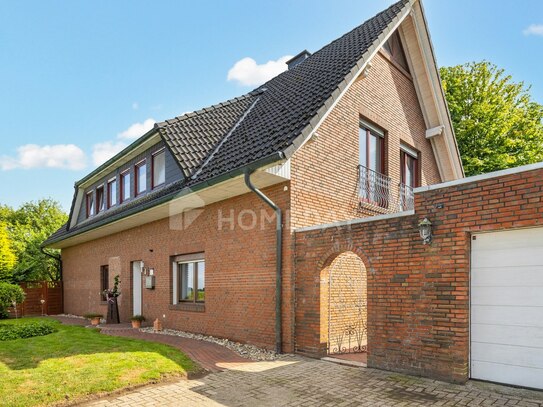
(297, 381)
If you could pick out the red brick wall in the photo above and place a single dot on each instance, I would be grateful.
(240, 271)
(324, 171)
(418, 296)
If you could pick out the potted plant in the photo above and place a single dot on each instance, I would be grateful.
(94, 318)
(137, 320)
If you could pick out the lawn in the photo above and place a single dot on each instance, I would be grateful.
(76, 362)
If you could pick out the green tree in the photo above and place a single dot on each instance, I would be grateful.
(29, 226)
(7, 256)
(497, 124)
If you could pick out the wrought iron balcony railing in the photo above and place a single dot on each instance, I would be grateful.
(376, 189)
(406, 198)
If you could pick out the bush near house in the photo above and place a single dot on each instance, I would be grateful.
(8, 294)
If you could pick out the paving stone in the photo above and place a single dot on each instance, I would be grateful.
(298, 381)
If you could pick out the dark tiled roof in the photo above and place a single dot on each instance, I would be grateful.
(292, 99)
(273, 119)
(193, 136)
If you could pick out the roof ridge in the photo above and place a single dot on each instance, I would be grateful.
(321, 49)
(223, 140)
(206, 109)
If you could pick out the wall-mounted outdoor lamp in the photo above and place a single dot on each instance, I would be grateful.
(146, 271)
(425, 230)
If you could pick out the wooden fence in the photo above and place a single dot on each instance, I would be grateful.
(42, 298)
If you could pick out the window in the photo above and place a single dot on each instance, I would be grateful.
(104, 281)
(394, 47)
(125, 186)
(372, 147)
(409, 161)
(140, 177)
(374, 185)
(111, 192)
(100, 201)
(159, 168)
(189, 279)
(90, 204)
(409, 176)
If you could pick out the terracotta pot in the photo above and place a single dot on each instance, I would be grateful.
(136, 324)
(95, 321)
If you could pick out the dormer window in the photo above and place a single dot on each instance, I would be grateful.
(111, 192)
(159, 168)
(125, 185)
(100, 201)
(140, 177)
(90, 204)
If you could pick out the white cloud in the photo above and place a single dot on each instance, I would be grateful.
(65, 156)
(136, 130)
(248, 73)
(534, 29)
(102, 152)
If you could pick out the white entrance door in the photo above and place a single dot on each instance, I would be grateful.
(507, 307)
(136, 288)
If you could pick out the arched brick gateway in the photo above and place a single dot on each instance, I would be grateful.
(418, 295)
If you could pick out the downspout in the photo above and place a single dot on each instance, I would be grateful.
(278, 259)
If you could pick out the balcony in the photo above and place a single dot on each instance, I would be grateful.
(382, 194)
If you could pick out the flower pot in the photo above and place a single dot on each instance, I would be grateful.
(95, 321)
(136, 324)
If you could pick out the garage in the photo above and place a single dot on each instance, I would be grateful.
(507, 307)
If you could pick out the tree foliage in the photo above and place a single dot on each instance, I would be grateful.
(496, 122)
(7, 255)
(28, 227)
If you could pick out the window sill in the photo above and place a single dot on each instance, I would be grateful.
(188, 306)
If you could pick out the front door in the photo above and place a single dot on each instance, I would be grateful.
(136, 288)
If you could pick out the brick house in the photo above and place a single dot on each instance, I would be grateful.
(197, 217)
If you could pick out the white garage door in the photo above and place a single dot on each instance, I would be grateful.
(507, 307)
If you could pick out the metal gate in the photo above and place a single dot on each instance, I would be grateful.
(347, 305)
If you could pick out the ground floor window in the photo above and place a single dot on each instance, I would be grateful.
(104, 281)
(188, 279)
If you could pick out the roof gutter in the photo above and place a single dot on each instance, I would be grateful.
(278, 258)
(277, 156)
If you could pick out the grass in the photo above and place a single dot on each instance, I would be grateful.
(75, 362)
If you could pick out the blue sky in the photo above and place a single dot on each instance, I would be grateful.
(79, 80)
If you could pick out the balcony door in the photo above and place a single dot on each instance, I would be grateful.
(409, 176)
(372, 152)
(374, 185)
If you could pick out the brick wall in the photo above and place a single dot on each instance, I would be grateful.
(240, 270)
(418, 296)
(324, 185)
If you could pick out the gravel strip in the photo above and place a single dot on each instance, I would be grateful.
(69, 316)
(245, 351)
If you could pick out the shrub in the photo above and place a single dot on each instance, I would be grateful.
(8, 294)
(24, 330)
(140, 318)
